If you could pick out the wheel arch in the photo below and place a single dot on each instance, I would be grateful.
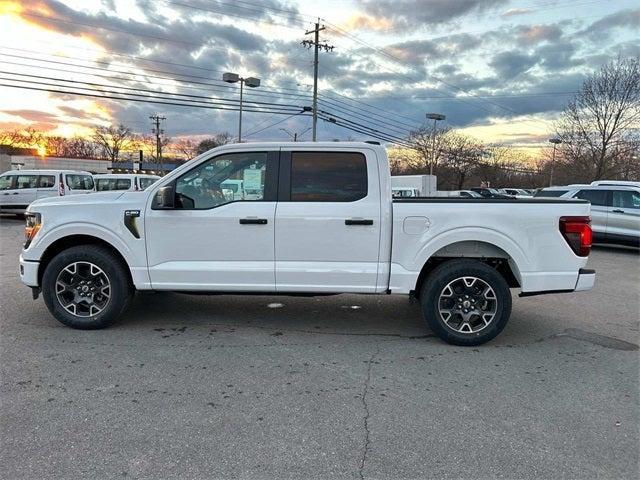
(63, 243)
(484, 251)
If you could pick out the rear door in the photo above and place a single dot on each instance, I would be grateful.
(46, 186)
(600, 201)
(79, 183)
(624, 214)
(327, 234)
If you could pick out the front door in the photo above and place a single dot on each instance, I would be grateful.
(624, 214)
(217, 239)
(327, 222)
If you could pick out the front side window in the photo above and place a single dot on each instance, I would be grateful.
(223, 179)
(328, 177)
(626, 199)
(6, 182)
(46, 181)
(79, 182)
(596, 197)
(145, 182)
(26, 181)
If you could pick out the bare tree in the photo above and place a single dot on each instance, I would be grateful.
(599, 125)
(213, 142)
(187, 147)
(461, 155)
(428, 151)
(113, 139)
(147, 143)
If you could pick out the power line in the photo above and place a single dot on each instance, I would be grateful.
(274, 124)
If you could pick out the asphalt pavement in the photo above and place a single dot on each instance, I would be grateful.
(330, 387)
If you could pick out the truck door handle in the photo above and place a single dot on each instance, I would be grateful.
(617, 210)
(253, 221)
(358, 221)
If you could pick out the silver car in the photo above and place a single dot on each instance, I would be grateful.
(615, 210)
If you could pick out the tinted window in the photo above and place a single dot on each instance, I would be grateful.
(79, 182)
(104, 184)
(626, 199)
(550, 193)
(25, 181)
(145, 182)
(202, 187)
(596, 197)
(123, 184)
(328, 177)
(5, 182)
(46, 181)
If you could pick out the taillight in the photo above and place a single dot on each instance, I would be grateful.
(577, 232)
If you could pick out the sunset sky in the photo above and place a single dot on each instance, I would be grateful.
(499, 69)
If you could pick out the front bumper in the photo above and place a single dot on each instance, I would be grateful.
(29, 272)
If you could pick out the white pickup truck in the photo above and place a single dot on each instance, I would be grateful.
(322, 222)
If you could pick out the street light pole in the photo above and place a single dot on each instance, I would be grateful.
(250, 82)
(435, 117)
(555, 141)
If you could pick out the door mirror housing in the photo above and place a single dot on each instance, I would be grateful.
(164, 199)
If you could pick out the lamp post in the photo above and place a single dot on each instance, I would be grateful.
(555, 141)
(250, 82)
(435, 117)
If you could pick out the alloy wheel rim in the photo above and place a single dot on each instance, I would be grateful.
(467, 305)
(83, 289)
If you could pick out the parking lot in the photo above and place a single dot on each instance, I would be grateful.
(329, 387)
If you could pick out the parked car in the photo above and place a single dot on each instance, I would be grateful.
(617, 183)
(404, 192)
(123, 181)
(489, 192)
(516, 192)
(460, 193)
(18, 188)
(615, 210)
(325, 223)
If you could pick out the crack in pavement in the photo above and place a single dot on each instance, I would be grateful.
(365, 449)
(596, 339)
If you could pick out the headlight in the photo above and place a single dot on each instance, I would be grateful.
(32, 227)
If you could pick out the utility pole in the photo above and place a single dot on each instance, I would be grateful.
(317, 45)
(156, 119)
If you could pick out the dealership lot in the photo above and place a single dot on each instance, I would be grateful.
(328, 387)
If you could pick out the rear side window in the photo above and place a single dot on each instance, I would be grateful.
(596, 197)
(25, 181)
(550, 193)
(328, 177)
(123, 184)
(46, 181)
(6, 182)
(626, 199)
(79, 182)
(145, 182)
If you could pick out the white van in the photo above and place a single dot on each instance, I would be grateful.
(18, 188)
(123, 181)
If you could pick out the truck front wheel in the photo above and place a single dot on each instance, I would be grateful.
(86, 287)
(465, 302)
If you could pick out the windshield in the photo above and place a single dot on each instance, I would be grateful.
(550, 193)
(79, 181)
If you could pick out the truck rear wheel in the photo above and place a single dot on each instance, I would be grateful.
(465, 302)
(86, 287)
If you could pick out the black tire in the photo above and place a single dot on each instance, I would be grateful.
(447, 277)
(112, 267)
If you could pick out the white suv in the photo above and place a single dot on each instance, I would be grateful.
(615, 209)
(18, 188)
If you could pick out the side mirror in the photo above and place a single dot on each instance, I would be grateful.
(164, 199)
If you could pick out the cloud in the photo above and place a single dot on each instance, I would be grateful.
(417, 12)
(533, 34)
(512, 63)
(512, 12)
(604, 27)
